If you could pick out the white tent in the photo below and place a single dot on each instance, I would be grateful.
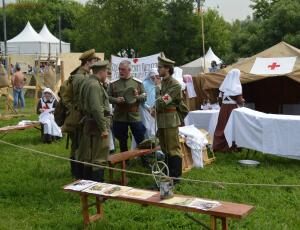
(54, 41)
(27, 42)
(195, 67)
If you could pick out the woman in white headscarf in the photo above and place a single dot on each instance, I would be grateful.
(45, 109)
(230, 98)
(150, 83)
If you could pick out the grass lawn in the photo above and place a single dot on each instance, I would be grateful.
(31, 195)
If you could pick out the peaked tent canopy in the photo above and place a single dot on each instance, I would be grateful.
(54, 41)
(27, 42)
(195, 67)
(270, 93)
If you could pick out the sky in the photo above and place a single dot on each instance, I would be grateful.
(229, 9)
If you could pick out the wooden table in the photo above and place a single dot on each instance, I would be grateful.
(121, 158)
(226, 211)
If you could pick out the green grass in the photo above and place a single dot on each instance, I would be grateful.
(31, 195)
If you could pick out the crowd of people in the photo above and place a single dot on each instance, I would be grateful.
(137, 105)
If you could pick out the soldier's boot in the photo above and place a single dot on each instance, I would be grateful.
(87, 172)
(175, 167)
(98, 175)
(73, 168)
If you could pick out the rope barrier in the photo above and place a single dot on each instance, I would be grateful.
(150, 175)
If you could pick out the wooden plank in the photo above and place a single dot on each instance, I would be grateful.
(18, 127)
(213, 222)
(123, 156)
(227, 209)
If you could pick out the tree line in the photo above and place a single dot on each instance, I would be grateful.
(144, 27)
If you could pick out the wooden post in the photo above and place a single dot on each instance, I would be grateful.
(224, 223)
(37, 78)
(62, 71)
(213, 223)
(85, 209)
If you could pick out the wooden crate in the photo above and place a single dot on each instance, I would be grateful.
(187, 160)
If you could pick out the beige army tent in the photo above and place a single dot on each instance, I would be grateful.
(270, 93)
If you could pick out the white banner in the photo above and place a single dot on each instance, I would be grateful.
(140, 67)
(273, 66)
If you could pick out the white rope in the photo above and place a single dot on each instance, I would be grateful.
(150, 175)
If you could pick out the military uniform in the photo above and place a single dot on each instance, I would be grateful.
(70, 96)
(127, 114)
(94, 148)
(168, 98)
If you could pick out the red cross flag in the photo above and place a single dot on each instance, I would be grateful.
(273, 66)
(167, 99)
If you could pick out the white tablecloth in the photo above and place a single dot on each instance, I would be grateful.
(267, 133)
(203, 119)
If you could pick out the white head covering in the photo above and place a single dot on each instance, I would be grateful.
(153, 72)
(48, 90)
(231, 85)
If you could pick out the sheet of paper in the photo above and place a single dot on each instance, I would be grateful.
(107, 189)
(80, 185)
(204, 204)
(139, 194)
(182, 201)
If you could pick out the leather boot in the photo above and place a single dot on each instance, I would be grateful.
(87, 172)
(98, 175)
(175, 167)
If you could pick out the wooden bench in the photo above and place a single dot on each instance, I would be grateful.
(224, 212)
(5, 130)
(121, 158)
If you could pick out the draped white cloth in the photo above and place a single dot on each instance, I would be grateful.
(196, 140)
(268, 133)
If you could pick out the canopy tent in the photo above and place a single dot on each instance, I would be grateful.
(30, 42)
(27, 42)
(195, 67)
(54, 41)
(269, 92)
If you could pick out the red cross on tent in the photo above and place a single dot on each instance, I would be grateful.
(273, 66)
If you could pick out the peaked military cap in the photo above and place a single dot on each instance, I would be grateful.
(163, 61)
(100, 65)
(88, 55)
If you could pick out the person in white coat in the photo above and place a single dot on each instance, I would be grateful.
(45, 109)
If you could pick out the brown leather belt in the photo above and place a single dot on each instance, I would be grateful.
(132, 109)
(169, 110)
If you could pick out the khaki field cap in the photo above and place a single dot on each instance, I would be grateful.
(88, 55)
(100, 65)
(163, 61)
(129, 95)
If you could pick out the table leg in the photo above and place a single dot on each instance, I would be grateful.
(213, 223)
(85, 209)
(123, 173)
(224, 223)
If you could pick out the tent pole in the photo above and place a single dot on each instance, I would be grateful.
(5, 34)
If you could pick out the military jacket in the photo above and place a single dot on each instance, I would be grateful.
(168, 99)
(126, 112)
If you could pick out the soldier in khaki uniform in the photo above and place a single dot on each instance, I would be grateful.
(126, 113)
(69, 93)
(94, 142)
(167, 100)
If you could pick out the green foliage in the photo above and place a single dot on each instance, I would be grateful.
(152, 26)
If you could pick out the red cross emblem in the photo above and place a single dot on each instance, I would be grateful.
(166, 97)
(273, 66)
(135, 60)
